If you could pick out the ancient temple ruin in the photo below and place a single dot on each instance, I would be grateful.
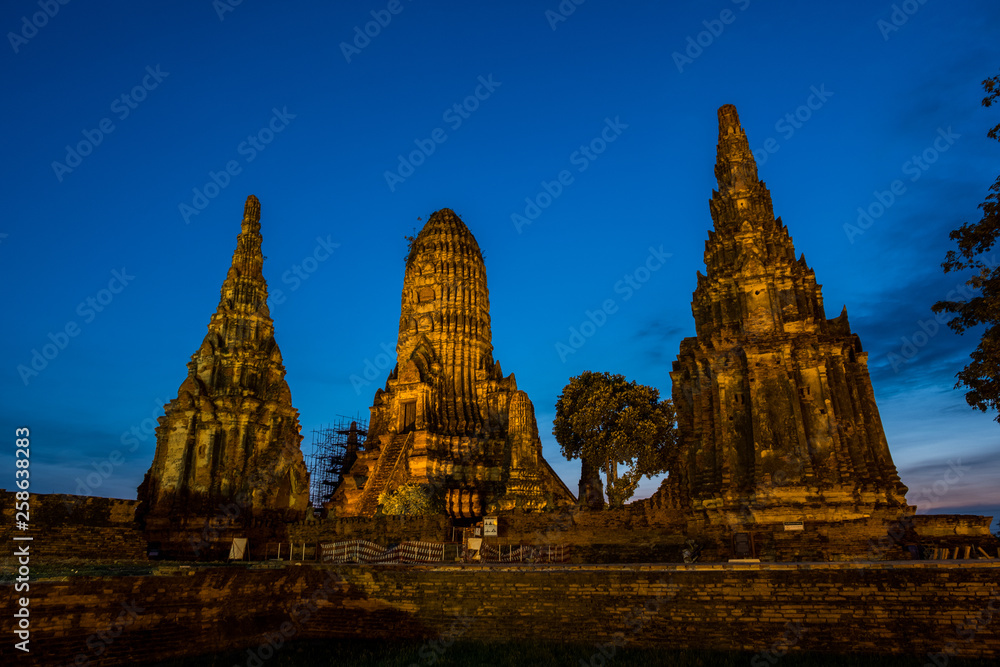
(448, 420)
(231, 437)
(775, 407)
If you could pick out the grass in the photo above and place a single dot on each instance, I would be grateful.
(79, 568)
(369, 653)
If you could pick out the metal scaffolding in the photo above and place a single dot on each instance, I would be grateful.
(334, 448)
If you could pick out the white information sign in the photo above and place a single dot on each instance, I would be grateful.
(238, 550)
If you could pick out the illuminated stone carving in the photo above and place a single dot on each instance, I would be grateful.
(447, 418)
(775, 405)
(231, 435)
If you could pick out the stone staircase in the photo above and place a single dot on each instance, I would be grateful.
(388, 461)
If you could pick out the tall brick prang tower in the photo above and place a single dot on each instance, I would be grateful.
(448, 419)
(231, 437)
(775, 405)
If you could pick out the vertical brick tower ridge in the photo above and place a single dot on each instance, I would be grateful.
(232, 433)
(447, 418)
(775, 404)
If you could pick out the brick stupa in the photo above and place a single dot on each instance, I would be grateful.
(775, 406)
(231, 435)
(448, 419)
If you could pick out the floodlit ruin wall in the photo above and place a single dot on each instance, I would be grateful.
(104, 529)
(921, 609)
(631, 535)
(68, 526)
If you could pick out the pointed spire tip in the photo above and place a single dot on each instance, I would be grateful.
(735, 167)
(251, 210)
(728, 117)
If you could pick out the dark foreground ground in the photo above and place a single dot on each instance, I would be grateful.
(405, 654)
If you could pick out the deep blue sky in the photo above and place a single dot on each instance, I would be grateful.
(886, 95)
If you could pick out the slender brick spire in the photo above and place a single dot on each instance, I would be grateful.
(775, 405)
(749, 243)
(232, 431)
(244, 289)
(735, 168)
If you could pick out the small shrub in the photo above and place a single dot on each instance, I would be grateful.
(409, 500)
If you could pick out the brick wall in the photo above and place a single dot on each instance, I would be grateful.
(382, 529)
(104, 529)
(67, 526)
(899, 607)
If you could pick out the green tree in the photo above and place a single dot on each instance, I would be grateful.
(982, 376)
(608, 422)
(408, 500)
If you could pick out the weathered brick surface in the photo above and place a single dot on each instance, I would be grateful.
(776, 415)
(897, 607)
(232, 433)
(382, 529)
(64, 526)
(448, 418)
(104, 529)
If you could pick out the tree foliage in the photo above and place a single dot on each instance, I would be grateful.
(408, 500)
(606, 421)
(975, 240)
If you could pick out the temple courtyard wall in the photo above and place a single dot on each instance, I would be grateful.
(925, 609)
(66, 526)
(873, 604)
(101, 529)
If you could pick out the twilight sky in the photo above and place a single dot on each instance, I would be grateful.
(133, 135)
